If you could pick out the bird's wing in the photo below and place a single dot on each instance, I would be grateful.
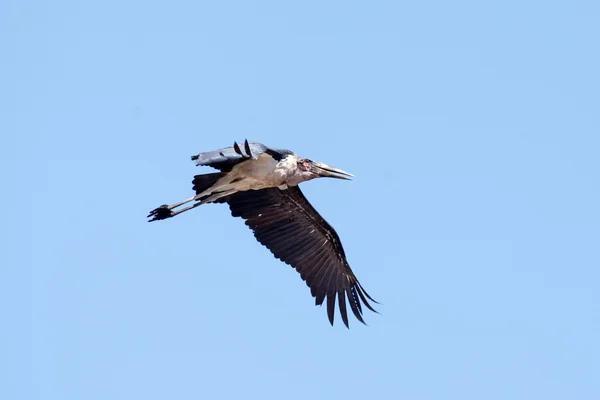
(286, 223)
(225, 159)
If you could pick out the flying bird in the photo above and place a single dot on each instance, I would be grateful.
(260, 184)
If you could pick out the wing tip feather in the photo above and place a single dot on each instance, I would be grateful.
(342, 305)
(331, 307)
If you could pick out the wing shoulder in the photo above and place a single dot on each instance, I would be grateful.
(224, 159)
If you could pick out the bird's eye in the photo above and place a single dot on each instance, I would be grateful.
(304, 164)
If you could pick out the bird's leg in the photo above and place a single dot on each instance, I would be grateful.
(165, 211)
(220, 189)
(217, 196)
(181, 210)
(172, 206)
(209, 199)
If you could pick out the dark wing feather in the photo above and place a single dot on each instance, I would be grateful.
(286, 223)
(225, 159)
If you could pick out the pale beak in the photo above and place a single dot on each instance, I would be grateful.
(324, 170)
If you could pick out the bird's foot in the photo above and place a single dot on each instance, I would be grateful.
(162, 212)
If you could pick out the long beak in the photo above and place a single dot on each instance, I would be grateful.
(324, 170)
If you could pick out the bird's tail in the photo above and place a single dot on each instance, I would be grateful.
(205, 181)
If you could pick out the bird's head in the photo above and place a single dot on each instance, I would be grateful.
(309, 169)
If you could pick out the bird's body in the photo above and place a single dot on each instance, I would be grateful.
(260, 184)
(260, 173)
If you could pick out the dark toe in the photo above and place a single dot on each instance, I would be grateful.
(162, 212)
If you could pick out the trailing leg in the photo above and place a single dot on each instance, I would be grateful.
(202, 183)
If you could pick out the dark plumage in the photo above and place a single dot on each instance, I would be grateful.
(260, 186)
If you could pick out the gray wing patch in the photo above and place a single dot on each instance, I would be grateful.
(225, 159)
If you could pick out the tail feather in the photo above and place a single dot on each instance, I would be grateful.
(205, 181)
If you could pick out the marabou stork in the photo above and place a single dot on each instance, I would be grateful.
(260, 184)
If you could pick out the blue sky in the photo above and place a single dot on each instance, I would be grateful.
(472, 129)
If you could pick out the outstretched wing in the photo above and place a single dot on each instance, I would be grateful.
(286, 223)
(225, 159)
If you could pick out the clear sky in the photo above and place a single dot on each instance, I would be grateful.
(472, 129)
